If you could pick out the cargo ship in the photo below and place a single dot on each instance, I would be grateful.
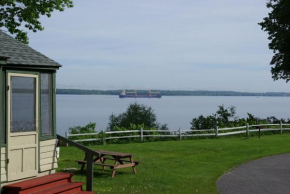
(124, 94)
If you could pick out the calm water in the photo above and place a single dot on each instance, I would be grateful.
(177, 112)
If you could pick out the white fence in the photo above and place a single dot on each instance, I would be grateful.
(180, 134)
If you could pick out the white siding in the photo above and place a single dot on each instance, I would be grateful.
(48, 160)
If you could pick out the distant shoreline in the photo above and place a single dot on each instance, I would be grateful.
(173, 93)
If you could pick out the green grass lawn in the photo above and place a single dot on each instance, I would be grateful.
(191, 166)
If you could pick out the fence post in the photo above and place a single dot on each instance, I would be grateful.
(180, 137)
(141, 134)
(247, 128)
(216, 131)
(281, 127)
(104, 137)
(66, 144)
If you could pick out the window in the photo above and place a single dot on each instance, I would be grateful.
(23, 104)
(46, 104)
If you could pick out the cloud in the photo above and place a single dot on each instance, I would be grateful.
(165, 44)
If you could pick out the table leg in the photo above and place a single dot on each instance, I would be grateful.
(100, 159)
(133, 167)
(114, 169)
(103, 162)
(113, 173)
(119, 160)
(83, 165)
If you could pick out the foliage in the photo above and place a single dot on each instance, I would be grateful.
(163, 127)
(131, 127)
(136, 114)
(277, 24)
(224, 117)
(135, 117)
(14, 14)
(202, 122)
(89, 128)
(274, 120)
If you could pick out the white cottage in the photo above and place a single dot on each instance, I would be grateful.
(28, 114)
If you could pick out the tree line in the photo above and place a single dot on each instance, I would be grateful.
(172, 92)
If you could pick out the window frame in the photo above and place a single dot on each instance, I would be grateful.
(3, 76)
(52, 135)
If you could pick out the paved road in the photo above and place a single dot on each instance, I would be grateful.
(269, 175)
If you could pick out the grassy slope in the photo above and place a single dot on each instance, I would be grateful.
(191, 166)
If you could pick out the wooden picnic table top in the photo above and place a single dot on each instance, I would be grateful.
(117, 154)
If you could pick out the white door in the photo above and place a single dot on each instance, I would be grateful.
(22, 126)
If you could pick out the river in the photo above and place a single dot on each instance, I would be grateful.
(176, 111)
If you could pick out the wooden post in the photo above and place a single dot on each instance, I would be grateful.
(90, 171)
(180, 137)
(66, 144)
(247, 129)
(216, 131)
(141, 134)
(104, 137)
(281, 127)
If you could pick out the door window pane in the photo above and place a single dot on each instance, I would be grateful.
(46, 104)
(23, 102)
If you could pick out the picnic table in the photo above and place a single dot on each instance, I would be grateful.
(121, 160)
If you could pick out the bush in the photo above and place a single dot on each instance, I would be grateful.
(135, 117)
(89, 128)
(137, 114)
(226, 117)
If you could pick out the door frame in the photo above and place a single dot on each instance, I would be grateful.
(35, 75)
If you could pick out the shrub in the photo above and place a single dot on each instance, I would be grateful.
(137, 114)
(89, 128)
(226, 117)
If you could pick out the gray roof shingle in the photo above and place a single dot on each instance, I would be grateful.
(20, 54)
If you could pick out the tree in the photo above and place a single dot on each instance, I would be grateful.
(136, 114)
(202, 122)
(89, 128)
(224, 117)
(277, 24)
(14, 14)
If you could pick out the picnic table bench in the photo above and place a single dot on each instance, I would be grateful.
(122, 160)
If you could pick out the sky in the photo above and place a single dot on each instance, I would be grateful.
(160, 44)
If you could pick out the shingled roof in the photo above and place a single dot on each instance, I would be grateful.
(22, 55)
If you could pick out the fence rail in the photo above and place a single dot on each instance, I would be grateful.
(217, 132)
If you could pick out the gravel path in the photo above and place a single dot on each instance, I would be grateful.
(269, 175)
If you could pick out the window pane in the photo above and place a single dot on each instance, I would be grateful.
(23, 116)
(46, 104)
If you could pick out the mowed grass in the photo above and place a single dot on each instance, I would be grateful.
(191, 166)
